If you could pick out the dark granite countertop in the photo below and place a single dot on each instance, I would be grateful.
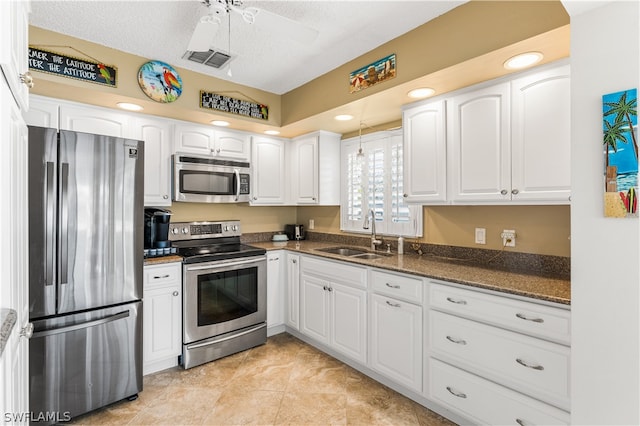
(542, 287)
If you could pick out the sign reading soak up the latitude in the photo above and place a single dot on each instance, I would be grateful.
(70, 67)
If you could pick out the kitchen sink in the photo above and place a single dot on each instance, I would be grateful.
(343, 251)
(369, 256)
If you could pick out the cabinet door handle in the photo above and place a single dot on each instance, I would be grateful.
(161, 277)
(165, 197)
(456, 341)
(324, 287)
(514, 191)
(526, 318)
(392, 285)
(330, 288)
(522, 422)
(294, 261)
(504, 192)
(175, 293)
(457, 301)
(454, 393)
(525, 364)
(393, 305)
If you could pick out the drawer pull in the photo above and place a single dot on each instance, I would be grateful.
(454, 393)
(526, 318)
(524, 364)
(522, 422)
(393, 305)
(161, 277)
(456, 341)
(392, 285)
(457, 301)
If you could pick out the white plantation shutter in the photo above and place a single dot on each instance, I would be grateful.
(375, 181)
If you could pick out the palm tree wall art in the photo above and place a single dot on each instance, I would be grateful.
(620, 139)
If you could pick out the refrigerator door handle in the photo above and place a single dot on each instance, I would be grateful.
(64, 224)
(52, 331)
(49, 223)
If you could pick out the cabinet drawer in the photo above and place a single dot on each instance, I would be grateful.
(533, 366)
(161, 275)
(532, 318)
(400, 286)
(485, 402)
(339, 272)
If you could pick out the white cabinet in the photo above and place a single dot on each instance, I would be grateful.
(14, 49)
(480, 145)
(425, 153)
(96, 120)
(292, 291)
(510, 142)
(156, 134)
(43, 112)
(540, 144)
(268, 183)
(275, 289)
(396, 328)
(162, 320)
(505, 358)
(315, 169)
(205, 140)
(333, 306)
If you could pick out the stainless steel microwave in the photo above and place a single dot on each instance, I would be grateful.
(200, 179)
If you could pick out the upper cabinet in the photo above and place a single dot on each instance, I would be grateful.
(425, 153)
(205, 140)
(43, 112)
(505, 142)
(315, 169)
(14, 49)
(268, 170)
(96, 120)
(156, 134)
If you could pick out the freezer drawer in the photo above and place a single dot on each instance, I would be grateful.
(81, 362)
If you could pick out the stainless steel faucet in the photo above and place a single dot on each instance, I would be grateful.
(374, 241)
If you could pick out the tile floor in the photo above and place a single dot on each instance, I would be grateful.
(285, 381)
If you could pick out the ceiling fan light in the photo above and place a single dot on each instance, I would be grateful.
(523, 60)
(421, 92)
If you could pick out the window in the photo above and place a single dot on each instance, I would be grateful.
(374, 181)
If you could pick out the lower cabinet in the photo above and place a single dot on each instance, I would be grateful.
(292, 292)
(275, 289)
(162, 316)
(333, 306)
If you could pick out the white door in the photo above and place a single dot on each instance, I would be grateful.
(314, 308)
(293, 291)
(94, 120)
(268, 164)
(235, 145)
(194, 139)
(305, 171)
(156, 135)
(275, 289)
(349, 321)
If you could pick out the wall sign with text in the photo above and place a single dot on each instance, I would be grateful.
(70, 67)
(234, 106)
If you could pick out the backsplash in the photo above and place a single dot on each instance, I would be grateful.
(527, 263)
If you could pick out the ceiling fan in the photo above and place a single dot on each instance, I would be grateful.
(209, 24)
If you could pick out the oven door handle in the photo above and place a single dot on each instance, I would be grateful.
(222, 339)
(223, 264)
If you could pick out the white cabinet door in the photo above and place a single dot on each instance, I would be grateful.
(275, 288)
(162, 325)
(541, 144)
(14, 48)
(304, 177)
(479, 143)
(348, 321)
(268, 164)
(314, 309)
(194, 138)
(292, 307)
(236, 145)
(396, 340)
(95, 120)
(156, 134)
(43, 112)
(425, 153)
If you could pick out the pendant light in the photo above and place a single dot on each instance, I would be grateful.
(229, 69)
(360, 151)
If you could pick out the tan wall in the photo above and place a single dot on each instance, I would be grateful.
(539, 229)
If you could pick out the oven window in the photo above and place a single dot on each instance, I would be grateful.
(225, 296)
(208, 183)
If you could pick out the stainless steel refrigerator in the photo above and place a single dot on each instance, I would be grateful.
(86, 234)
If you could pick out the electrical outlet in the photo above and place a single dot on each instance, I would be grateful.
(481, 236)
(312, 224)
(508, 238)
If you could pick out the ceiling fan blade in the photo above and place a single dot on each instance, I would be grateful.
(202, 37)
(282, 25)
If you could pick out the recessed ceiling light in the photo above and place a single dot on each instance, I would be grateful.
(344, 117)
(271, 132)
(129, 106)
(523, 60)
(220, 123)
(422, 92)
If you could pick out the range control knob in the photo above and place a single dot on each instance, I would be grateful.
(174, 231)
(185, 230)
(235, 227)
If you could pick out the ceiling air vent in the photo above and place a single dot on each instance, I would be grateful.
(210, 58)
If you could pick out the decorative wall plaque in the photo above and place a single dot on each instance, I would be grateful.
(233, 106)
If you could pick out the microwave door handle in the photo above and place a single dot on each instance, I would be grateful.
(237, 173)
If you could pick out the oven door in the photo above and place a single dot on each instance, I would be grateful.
(223, 296)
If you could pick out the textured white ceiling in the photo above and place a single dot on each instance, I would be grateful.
(266, 60)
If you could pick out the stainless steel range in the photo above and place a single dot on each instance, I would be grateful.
(224, 291)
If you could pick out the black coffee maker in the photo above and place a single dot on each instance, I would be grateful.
(156, 228)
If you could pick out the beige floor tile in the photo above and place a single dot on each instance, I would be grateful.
(238, 406)
(302, 408)
(317, 373)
